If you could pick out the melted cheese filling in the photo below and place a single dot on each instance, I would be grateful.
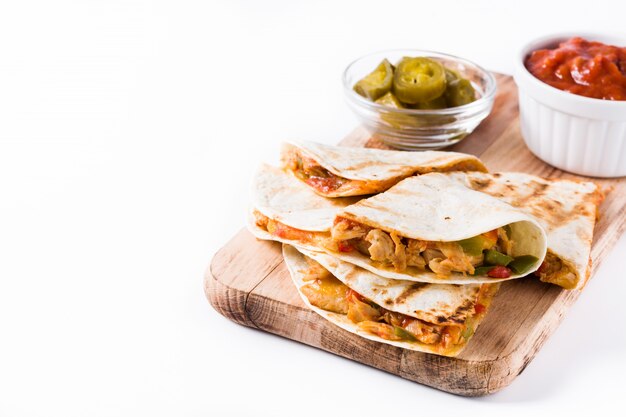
(328, 293)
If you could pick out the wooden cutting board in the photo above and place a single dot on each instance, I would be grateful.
(248, 282)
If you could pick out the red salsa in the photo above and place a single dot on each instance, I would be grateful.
(582, 67)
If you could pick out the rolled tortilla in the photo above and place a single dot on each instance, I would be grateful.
(436, 209)
(283, 198)
(340, 171)
(567, 210)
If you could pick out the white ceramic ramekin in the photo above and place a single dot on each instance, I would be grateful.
(583, 135)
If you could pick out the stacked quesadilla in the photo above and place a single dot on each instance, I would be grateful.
(409, 248)
(432, 318)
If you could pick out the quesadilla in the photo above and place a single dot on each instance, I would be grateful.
(426, 229)
(339, 171)
(566, 209)
(285, 210)
(432, 318)
(433, 229)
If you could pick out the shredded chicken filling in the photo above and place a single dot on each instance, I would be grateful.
(283, 231)
(325, 291)
(442, 258)
(555, 271)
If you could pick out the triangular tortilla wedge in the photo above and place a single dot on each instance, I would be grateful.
(285, 210)
(340, 171)
(429, 207)
(566, 209)
(432, 318)
(433, 303)
(436, 209)
(285, 199)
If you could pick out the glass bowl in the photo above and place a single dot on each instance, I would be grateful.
(411, 129)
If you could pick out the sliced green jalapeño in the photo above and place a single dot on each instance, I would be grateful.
(419, 80)
(377, 83)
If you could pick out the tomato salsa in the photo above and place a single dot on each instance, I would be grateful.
(582, 67)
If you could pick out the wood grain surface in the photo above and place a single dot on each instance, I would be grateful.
(248, 282)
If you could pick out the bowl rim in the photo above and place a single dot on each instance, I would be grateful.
(522, 74)
(488, 95)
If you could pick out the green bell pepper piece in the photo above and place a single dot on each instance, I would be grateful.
(482, 270)
(469, 329)
(403, 334)
(522, 264)
(493, 257)
(473, 246)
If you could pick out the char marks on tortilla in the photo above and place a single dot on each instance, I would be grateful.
(566, 209)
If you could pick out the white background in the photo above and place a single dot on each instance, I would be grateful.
(128, 133)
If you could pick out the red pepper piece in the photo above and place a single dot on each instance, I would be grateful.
(499, 272)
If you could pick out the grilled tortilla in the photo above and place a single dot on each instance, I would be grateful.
(436, 230)
(432, 318)
(566, 209)
(285, 210)
(339, 171)
(433, 229)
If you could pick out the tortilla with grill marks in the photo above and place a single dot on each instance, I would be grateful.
(340, 171)
(435, 212)
(432, 208)
(566, 209)
(431, 318)
(434, 303)
(283, 198)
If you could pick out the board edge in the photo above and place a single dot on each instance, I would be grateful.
(233, 304)
(226, 300)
